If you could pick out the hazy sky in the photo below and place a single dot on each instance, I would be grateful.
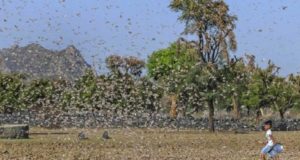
(269, 29)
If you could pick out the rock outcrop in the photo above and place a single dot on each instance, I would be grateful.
(36, 62)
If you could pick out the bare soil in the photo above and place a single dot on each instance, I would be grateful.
(144, 144)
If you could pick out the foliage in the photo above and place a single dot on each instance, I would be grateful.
(11, 87)
(284, 95)
(170, 66)
(125, 65)
(124, 92)
(236, 79)
(128, 93)
(211, 22)
(257, 95)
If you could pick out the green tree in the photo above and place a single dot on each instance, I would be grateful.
(258, 94)
(165, 62)
(125, 88)
(11, 87)
(85, 90)
(284, 95)
(147, 94)
(211, 22)
(236, 77)
(169, 67)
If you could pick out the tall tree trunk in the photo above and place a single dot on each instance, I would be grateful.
(236, 107)
(173, 110)
(211, 110)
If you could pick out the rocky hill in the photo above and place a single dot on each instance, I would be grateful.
(38, 62)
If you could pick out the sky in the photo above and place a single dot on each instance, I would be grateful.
(268, 29)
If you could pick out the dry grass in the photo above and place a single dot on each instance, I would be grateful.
(162, 144)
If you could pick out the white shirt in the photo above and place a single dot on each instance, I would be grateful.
(268, 136)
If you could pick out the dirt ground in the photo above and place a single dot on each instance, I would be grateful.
(144, 144)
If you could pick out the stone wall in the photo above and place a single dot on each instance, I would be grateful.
(97, 119)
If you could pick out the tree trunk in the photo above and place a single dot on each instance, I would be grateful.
(258, 115)
(236, 107)
(173, 111)
(248, 111)
(211, 110)
(262, 112)
(281, 113)
(183, 110)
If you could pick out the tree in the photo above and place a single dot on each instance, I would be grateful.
(284, 94)
(236, 77)
(211, 22)
(85, 91)
(147, 94)
(126, 90)
(258, 93)
(36, 93)
(169, 67)
(10, 92)
(121, 66)
(165, 62)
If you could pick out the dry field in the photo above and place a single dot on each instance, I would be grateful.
(144, 144)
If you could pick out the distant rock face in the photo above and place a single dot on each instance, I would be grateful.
(38, 62)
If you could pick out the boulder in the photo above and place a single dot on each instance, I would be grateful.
(105, 135)
(82, 136)
(16, 131)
